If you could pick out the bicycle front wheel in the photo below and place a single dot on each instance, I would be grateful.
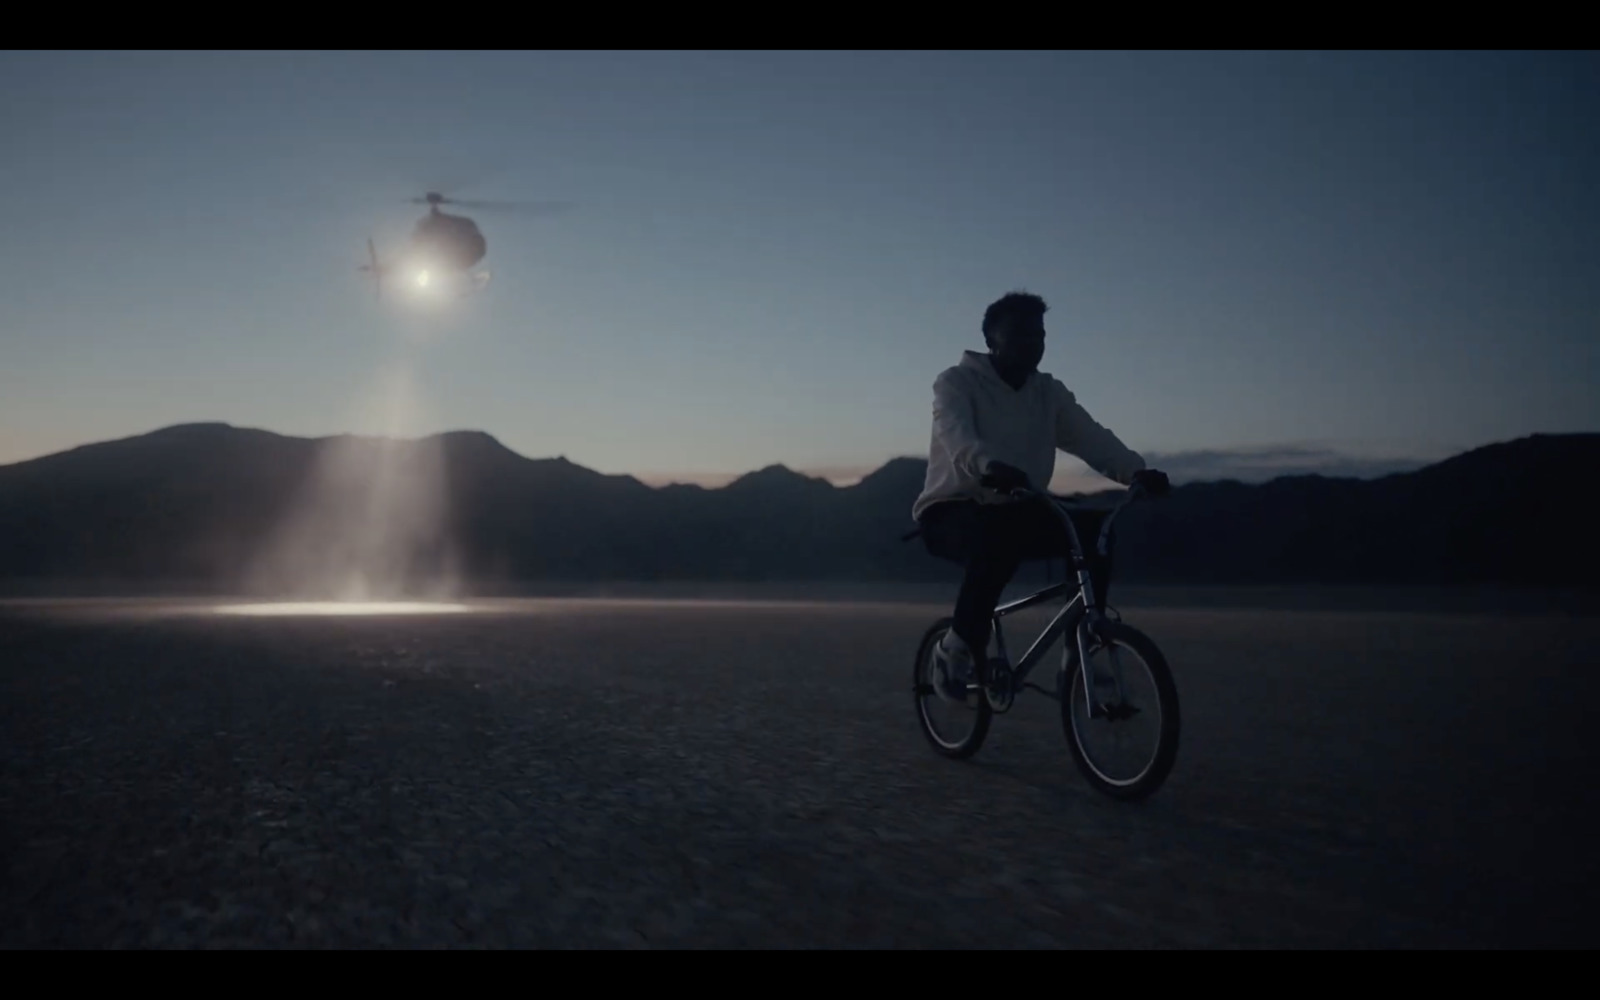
(1135, 705)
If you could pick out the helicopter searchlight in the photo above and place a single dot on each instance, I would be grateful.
(444, 250)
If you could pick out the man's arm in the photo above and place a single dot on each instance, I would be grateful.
(955, 426)
(1079, 434)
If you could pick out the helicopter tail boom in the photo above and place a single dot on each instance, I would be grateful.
(374, 270)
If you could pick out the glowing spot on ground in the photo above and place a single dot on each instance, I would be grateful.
(345, 608)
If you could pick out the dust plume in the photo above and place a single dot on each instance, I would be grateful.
(371, 522)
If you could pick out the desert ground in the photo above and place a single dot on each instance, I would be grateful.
(634, 772)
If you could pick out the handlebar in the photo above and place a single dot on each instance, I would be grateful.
(1133, 492)
(1060, 504)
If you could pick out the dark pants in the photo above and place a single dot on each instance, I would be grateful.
(992, 541)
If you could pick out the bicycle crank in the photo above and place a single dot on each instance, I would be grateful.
(999, 686)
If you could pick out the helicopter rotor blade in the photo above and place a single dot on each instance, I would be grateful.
(515, 207)
(518, 207)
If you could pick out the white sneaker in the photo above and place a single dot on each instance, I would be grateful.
(953, 663)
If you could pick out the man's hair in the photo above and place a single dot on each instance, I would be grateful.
(1009, 305)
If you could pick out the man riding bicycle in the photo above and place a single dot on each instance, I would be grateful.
(997, 422)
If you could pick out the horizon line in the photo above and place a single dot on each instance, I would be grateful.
(1257, 462)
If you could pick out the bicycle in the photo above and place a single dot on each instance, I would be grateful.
(1093, 627)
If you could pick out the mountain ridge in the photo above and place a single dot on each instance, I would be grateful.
(250, 509)
(486, 440)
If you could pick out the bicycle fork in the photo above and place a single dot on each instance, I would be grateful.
(1086, 631)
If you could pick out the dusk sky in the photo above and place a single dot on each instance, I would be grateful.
(770, 256)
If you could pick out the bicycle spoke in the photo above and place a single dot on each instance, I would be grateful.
(1120, 739)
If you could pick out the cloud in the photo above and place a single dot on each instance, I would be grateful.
(1256, 465)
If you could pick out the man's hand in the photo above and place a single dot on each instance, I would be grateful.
(1003, 477)
(1153, 482)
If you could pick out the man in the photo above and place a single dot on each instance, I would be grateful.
(997, 422)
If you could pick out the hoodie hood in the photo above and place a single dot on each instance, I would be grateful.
(977, 361)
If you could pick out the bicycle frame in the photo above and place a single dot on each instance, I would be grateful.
(1077, 612)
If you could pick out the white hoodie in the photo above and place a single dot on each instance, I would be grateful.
(979, 418)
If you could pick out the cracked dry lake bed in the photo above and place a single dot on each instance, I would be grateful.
(650, 774)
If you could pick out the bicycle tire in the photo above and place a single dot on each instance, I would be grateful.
(1166, 755)
(985, 714)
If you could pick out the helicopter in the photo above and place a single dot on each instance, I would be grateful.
(443, 249)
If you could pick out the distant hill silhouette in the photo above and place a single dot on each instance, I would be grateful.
(235, 509)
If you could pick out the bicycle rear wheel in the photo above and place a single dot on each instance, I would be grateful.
(1148, 695)
(975, 714)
